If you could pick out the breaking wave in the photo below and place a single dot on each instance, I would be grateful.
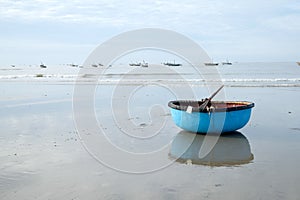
(233, 82)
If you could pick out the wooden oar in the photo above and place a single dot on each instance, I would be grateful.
(207, 100)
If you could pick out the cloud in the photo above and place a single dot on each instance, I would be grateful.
(56, 11)
(286, 23)
(214, 23)
(109, 12)
(133, 13)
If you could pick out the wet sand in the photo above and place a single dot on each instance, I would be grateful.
(42, 155)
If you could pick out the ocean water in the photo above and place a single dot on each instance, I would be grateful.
(51, 148)
(261, 74)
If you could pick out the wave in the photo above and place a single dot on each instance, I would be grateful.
(233, 82)
(39, 76)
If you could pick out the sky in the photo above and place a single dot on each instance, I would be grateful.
(58, 32)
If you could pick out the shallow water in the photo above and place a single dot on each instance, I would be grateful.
(43, 157)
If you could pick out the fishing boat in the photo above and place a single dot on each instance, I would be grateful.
(43, 66)
(208, 116)
(227, 63)
(211, 64)
(221, 116)
(135, 64)
(172, 64)
(144, 64)
(73, 65)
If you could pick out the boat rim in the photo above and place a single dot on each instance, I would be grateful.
(243, 105)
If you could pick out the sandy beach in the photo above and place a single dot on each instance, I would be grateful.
(44, 157)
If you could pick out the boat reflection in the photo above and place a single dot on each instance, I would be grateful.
(231, 149)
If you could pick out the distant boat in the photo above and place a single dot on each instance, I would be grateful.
(172, 64)
(96, 65)
(298, 63)
(227, 63)
(144, 64)
(211, 64)
(135, 64)
(73, 65)
(43, 66)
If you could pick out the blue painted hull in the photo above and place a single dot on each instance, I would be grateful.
(213, 122)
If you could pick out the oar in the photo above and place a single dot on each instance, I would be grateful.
(204, 104)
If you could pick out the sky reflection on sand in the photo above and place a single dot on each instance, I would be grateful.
(42, 157)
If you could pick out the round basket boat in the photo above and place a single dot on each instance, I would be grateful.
(217, 117)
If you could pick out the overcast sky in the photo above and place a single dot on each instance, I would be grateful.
(65, 31)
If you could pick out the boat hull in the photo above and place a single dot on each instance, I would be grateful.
(212, 122)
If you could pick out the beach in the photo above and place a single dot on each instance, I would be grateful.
(45, 155)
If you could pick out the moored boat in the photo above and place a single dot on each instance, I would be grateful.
(43, 66)
(144, 64)
(211, 64)
(217, 117)
(172, 64)
(135, 64)
(227, 63)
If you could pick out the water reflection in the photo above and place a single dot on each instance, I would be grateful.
(231, 149)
